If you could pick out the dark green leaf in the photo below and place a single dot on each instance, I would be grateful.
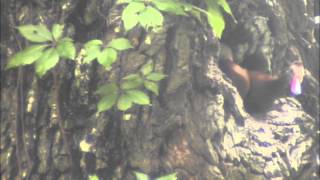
(138, 97)
(47, 61)
(141, 176)
(35, 33)
(107, 89)
(107, 102)
(172, 176)
(147, 68)
(150, 17)
(66, 48)
(170, 6)
(129, 14)
(26, 56)
(155, 76)
(152, 86)
(124, 102)
(57, 31)
(120, 44)
(107, 57)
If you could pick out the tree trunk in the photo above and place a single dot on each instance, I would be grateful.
(197, 126)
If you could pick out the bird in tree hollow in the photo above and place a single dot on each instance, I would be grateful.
(258, 89)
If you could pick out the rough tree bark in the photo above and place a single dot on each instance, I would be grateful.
(197, 126)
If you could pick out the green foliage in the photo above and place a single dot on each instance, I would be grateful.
(57, 31)
(129, 91)
(142, 176)
(93, 177)
(26, 56)
(170, 6)
(48, 60)
(48, 50)
(35, 33)
(107, 56)
(137, 12)
(148, 14)
(66, 48)
(215, 16)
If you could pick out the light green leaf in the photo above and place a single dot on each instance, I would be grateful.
(107, 102)
(132, 77)
(147, 68)
(92, 49)
(215, 19)
(225, 6)
(131, 84)
(124, 102)
(93, 177)
(141, 176)
(152, 86)
(123, 2)
(155, 76)
(26, 56)
(47, 61)
(66, 48)
(35, 33)
(107, 89)
(57, 31)
(120, 44)
(129, 14)
(150, 17)
(94, 42)
(172, 176)
(170, 6)
(138, 97)
(107, 57)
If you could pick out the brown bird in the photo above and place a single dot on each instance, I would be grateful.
(259, 90)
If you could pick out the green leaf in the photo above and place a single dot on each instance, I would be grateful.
(129, 14)
(172, 176)
(107, 102)
(170, 6)
(107, 89)
(147, 68)
(132, 77)
(225, 6)
(35, 33)
(94, 42)
(66, 48)
(26, 56)
(141, 176)
(215, 19)
(47, 61)
(155, 76)
(92, 50)
(150, 17)
(138, 97)
(124, 102)
(107, 57)
(120, 44)
(57, 31)
(93, 177)
(131, 84)
(152, 86)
